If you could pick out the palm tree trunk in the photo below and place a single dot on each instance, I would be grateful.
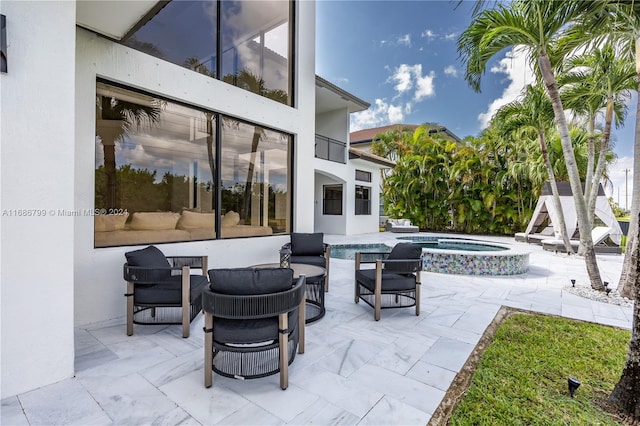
(591, 155)
(629, 267)
(592, 194)
(625, 394)
(556, 194)
(248, 185)
(586, 241)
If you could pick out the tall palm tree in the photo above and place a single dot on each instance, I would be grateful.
(536, 26)
(534, 115)
(619, 23)
(597, 81)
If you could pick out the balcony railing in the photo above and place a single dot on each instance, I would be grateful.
(331, 149)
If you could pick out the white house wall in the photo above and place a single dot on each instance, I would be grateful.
(334, 124)
(362, 224)
(48, 264)
(36, 182)
(329, 224)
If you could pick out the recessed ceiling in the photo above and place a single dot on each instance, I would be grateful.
(111, 18)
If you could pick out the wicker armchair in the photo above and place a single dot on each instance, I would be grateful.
(161, 289)
(395, 281)
(253, 319)
(310, 249)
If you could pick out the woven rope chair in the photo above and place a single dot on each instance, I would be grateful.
(310, 249)
(250, 335)
(395, 280)
(161, 289)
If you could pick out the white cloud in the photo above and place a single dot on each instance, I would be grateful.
(379, 114)
(622, 182)
(451, 71)
(428, 34)
(408, 77)
(405, 40)
(450, 36)
(517, 71)
(424, 86)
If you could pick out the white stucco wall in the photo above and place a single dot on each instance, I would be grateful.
(51, 276)
(98, 272)
(36, 167)
(334, 124)
(329, 224)
(362, 224)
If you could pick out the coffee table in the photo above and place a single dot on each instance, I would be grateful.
(314, 297)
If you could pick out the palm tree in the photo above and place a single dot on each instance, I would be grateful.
(536, 26)
(126, 115)
(599, 80)
(533, 115)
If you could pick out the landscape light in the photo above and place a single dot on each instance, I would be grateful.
(573, 385)
(573, 283)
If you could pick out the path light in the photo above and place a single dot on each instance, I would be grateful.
(607, 290)
(606, 283)
(573, 385)
(573, 283)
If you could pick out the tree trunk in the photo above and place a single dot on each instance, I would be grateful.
(249, 184)
(592, 194)
(626, 393)
(629, 268)
(556, 195)
(586, 242)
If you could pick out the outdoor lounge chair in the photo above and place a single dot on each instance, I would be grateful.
(401, 225)
(161, 289)
(395, 280)
(599, 235)
(252, 322)
(310, 249)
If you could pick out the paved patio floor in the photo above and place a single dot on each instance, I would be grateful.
(354, 370)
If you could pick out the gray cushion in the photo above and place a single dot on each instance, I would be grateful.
(390, 280)
(250, 331)
(307, 244)
(403, 251)
(169, 291)
(247, 281)
(150, 257)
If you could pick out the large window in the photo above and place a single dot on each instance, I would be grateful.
(253, 52)
(363, 200)
(157, 168)
(332, 199)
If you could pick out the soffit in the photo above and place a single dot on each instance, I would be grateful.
(113, 18)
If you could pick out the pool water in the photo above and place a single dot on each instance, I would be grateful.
(348, 251)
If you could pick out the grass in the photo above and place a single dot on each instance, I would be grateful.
(521, 378)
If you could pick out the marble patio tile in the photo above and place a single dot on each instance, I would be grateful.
(146, 356)
(432, 375)
(11, 412)
(66, 402)
(323, 412)
(349, 357)
(400, 356)
(608, 310)
(129, 399)
(267, 394)
(251, 415)
(390, 411)
(448, 353)
(445, 316)
(176, 344)
(93, 359)
(174, 368)
(207, 406)
(337, 390)
(577, 312)
(614, 322)
(477, 318)
(401, 388)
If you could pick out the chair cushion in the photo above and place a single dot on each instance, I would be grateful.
(247, 281)
(390, 280)
(309, 260)
(307, 244)
(250, 331)
(150, 257)
(169, 291)
(403, 251)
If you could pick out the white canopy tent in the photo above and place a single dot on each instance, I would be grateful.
(546, 209)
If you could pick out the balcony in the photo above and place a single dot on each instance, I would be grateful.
(331, 149)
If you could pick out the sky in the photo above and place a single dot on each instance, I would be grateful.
(401, 57)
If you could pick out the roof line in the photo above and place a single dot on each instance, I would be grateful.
(321, 82)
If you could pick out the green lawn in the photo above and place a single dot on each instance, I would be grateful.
(522, 375)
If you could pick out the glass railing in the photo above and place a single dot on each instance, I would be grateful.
(331, 149)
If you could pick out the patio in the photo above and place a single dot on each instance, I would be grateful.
(354, 370)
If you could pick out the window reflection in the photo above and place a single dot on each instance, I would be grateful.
(156, 168)
(255, 39)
